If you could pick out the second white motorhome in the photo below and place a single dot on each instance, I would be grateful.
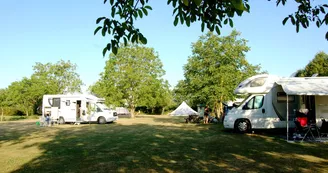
(266, 105)
(77, 108)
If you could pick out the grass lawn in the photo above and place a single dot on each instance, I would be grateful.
(151, 144)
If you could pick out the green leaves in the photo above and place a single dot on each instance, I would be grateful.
(198, 2)
(97, 29)
(185, 2)
(212, 74)
(123, 30)
(239, 5)
(133, 76)
(211, 14)
(285, 20)
(100, 19)
(307, 13)
(317, 65)
(176, 20)
(47, 78)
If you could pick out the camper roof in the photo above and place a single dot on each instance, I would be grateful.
(256, 84)
(84, 96)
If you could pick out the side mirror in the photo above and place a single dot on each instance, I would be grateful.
(83, 112)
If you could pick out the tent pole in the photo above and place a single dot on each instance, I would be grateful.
(287, 119)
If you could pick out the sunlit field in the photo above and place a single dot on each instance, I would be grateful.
(151, 144)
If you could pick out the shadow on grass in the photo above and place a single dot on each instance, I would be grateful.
(160, 148)
(16, 132)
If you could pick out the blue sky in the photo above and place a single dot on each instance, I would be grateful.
(47, 31)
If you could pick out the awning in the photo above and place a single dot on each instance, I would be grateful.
(304, 86)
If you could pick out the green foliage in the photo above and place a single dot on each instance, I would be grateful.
(133, 77)
(211, 14)
(215, 68)
(319, 65)
(10, 111)
(307, 13)
(180, 92)
(26, 94)
(19, 117)
(57, 78)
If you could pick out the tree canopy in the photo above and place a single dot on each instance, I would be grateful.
(48, 78)
(133, 77)
(217, 65)
(59, 77)
(211, 14)
(318, 65)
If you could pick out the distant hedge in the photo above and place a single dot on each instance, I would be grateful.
(18, 117)
(10, 111)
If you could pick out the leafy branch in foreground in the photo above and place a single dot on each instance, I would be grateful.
(211, 14)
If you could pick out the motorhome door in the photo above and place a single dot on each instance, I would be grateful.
(255, 110)
(68, 110)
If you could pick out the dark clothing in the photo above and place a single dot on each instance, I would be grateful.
(207, 112)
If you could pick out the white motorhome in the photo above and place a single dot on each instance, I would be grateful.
(77, 108)
(272, 102)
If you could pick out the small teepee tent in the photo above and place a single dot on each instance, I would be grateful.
(183, 110)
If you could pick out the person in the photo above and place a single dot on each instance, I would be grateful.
(206, 114)
(47, 120)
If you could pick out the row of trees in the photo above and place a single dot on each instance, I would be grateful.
(134, 77)
(318, 65)
(26, 95)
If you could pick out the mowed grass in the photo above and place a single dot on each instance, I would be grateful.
(151, 144)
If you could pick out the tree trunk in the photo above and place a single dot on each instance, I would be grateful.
(217, 109)
(132, 111)
(27, 113)
(1, 113)
(163, 109)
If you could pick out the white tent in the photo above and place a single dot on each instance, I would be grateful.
(315, 86)
(183, 110)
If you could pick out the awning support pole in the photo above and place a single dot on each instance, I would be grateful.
(287, 119)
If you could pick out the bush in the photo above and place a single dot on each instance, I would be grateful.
(18, 117)
(10, 111)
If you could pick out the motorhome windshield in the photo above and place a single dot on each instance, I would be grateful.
(244, 100)
(102, 106)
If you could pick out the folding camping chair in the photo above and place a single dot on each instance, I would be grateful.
(324, 128)
(302, 131)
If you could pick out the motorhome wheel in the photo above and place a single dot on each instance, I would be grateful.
(102, 120)
(242, 126)
(61, 120)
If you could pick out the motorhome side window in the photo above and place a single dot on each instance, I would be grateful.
(56, 102)
(282, 97)
(254, 103)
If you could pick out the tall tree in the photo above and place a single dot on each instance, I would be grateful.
(180, 92)
(3, 101)
(212, 14)
(319, 65)
(216, 67)
(47, 78)
(21, 94)
(59, 77)
(132, 77)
